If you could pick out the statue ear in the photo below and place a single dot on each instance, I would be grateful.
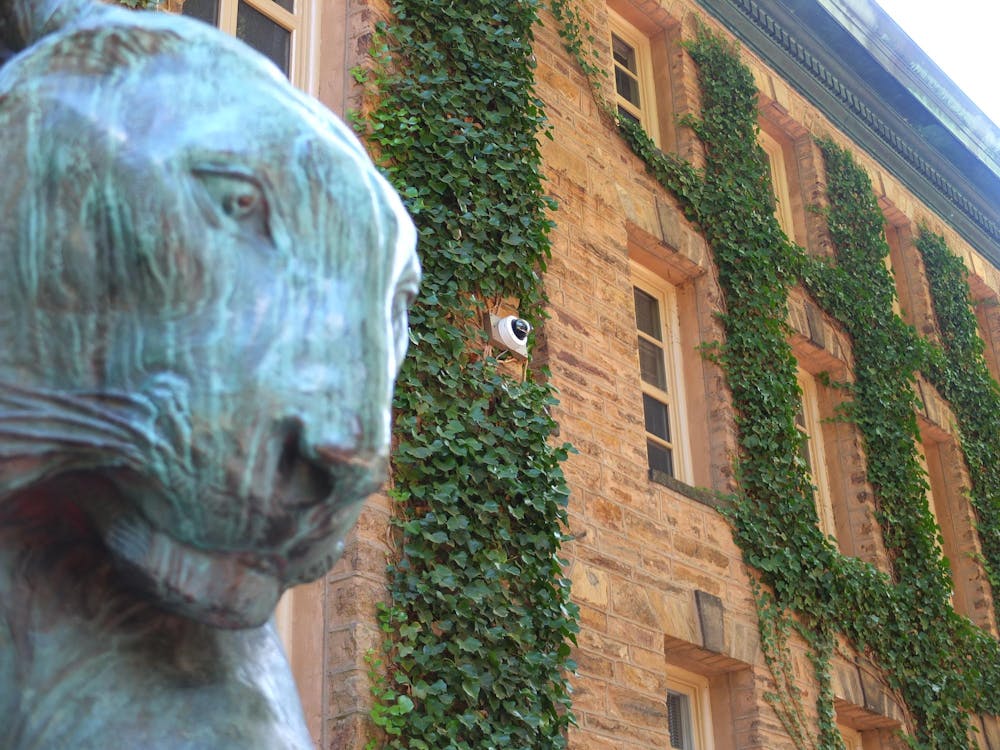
(24, 22)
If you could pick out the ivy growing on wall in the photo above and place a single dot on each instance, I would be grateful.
(942, 665)
(480, 624)
(961, 376)
(918, 638)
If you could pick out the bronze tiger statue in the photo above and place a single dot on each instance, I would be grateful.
(203, 307)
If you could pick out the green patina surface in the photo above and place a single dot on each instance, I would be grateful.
(202, 311)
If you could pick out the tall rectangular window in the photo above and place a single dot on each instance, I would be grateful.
(689, 717)
(779, 182)
(810, 427)
(657, 341)
(929, 459)
(275, 28)
(852, 737)
(679, 720)
(632, 68)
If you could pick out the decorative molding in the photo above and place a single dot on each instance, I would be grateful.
(787, 43)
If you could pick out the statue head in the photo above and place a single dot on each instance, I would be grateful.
(203, 307)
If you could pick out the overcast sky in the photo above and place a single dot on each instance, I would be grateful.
(962, 37)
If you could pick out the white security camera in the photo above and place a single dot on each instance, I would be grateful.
(511, 332)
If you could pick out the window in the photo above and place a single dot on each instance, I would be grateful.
(662, 398)
(634, 94)
(893, 260)
(929, 459)
(679, 720)
(931, 505)
(851, 737)
(779, 182)
(808, 423)
(275, 28)
(689, 718)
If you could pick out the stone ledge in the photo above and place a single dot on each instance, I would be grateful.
(702, 495)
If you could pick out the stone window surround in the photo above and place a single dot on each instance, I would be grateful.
(639, 43)
(695, 688)
(302, 23)
(813, 430)
(664, 294)
(775, 150)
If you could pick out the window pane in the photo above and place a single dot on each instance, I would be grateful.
(657, 420)
(647, 314)
(203, 10)
(652, 366)
(679, 721)
(625, 113)
(627, 87)
(624, 54)
(804, 453)
(660, 458)
(288, 5)
(264, 35)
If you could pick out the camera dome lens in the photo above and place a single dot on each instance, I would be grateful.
(520, 328)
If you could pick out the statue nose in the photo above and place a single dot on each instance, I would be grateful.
(332, 455)
(315, 466)
(340, 443)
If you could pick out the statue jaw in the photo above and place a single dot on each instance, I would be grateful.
(219, 586)
(224, 589)
(218, 552)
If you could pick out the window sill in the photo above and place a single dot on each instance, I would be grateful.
(699, 494)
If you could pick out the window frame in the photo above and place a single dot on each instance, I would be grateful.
(851, 737)
(931, 496)
(935, 495)
(674, 398)
(895, 244)
(645, 113)
(695, 688)
(812, 429)
(775, 152)
(301, 25)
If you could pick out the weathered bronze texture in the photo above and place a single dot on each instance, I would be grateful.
(202, 311)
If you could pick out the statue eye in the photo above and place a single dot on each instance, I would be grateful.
(236, 198)
(239, 204)
(405, 292)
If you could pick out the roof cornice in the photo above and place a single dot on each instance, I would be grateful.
(856, 65)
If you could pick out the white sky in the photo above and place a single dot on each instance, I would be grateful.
(962, 37)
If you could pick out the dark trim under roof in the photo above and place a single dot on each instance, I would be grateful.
(856, 65)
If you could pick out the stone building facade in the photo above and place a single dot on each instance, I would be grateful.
(669, 651)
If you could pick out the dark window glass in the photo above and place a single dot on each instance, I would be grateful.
(800, 422)
(264, 35)
(627, 87)
(203, 10)
(679, 721)
(625, 113)
(624, 54)
(657, 420)
(647, 314)
(660, 457)
(626, 70)
(652, 367)
(804, 453)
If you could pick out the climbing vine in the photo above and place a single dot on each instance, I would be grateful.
(479, 626)
(918, 637)
(961, 376)
(479, 621)
(942, 666)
